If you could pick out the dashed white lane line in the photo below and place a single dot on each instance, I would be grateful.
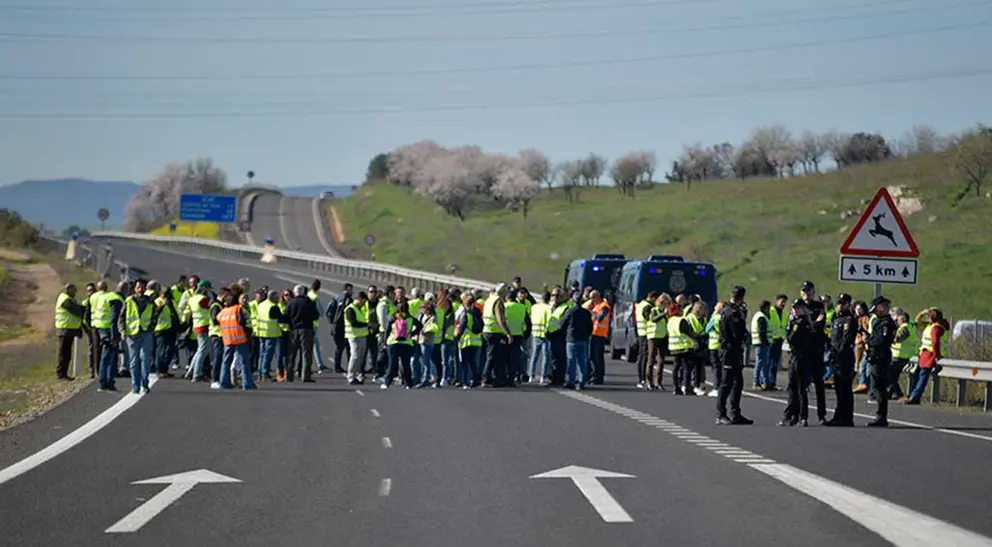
(899, 525)
(386, 443)
(360, 393)
(385, 486)
(375, 413)
(75, 437)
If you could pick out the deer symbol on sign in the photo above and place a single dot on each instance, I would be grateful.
(882, 231)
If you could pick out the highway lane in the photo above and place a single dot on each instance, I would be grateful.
(289, 221)
(456, 457)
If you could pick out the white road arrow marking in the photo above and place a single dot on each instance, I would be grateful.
(586, 480)
(179, 484)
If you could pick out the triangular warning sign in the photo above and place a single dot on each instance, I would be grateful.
(880, 231)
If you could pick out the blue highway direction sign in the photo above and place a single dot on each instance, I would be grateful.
(208, 208)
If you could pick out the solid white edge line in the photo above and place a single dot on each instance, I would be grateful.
(385, 486)
(386, 443)
(899, 525)
(73, 438)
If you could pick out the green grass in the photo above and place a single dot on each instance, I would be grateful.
(202, 230)
(766, 234)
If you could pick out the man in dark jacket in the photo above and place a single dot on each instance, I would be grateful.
(843, 332)
(883, 332)
(335, 318)
(733, 336)
(577, 324)
(813, 355)
(301, 312)
(801, 334)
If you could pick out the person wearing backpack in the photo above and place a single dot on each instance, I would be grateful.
(401, 330)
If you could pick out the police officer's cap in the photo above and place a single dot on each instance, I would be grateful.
(879, 301)
(844, 298)
(799, 303)
(738, 292)
(807, 286)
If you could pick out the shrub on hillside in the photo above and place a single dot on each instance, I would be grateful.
(15, 231)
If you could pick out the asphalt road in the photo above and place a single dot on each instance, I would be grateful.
(288, 221)
(326, 464)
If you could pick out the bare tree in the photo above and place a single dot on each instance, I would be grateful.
(921, 139)
(627, 171)
(835, 144)
(811, 149)
(570, 175)
(724, 154)
(767, 140)
(537, 166)
(649, 163)
(974, 159)
(593, 168)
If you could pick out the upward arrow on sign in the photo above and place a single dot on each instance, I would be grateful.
(880, 231)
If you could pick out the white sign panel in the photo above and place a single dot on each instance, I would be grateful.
(867, 269)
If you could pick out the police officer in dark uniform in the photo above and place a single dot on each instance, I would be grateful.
(813, 356)
(733, 336)
(801, 335)
(843, 332)
(883, 333)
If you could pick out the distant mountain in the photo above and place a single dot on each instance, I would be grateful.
(340, 191)
(58, 204)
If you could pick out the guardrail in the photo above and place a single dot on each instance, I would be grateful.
(343, 267)
(963, 371)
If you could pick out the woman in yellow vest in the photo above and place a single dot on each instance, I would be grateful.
(401, 329)
(540, 354)
(932, 345)
(681, 343)
(166, 325)
(446, 319)
(713, 346)
(469, 333)
(656, 334)
(904, 347)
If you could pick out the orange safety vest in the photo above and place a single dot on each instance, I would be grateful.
(479, 306)
(601, 327)
(230, 328)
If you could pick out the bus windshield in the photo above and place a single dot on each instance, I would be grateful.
(675, 278)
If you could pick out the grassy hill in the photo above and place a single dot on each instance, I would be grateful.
(766, 234)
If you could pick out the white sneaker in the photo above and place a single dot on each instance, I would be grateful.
(214, 385)
(640, 385)
(700, 392)
(714, 393)
(383, 386)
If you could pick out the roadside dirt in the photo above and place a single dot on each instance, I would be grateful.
(27, 301)
(7, 254)
(337, 228)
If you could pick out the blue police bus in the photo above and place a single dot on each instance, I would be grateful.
(661, 273)
(601, 272)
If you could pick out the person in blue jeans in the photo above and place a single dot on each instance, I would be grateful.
(137, 327)
(764, 377)
(576, 322)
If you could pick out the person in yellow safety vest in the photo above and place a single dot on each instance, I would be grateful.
(401, 329)
(177, 291)
(602, 316)
(516, 323)
(932, 344)
(318, 355)
(497, 339)
(762, 343)
(829, 313)
(199, 313)
(446, 319)
(905, 346)
(778, 320)
(186, 339)
(106, 308)
(681, 344)
(92, 340)
(166, 325)
(68, 327)
(285, 348)
(415, 302)
(138, 310)
(712, 331)
(656, 333)
(540, 353)
(642, 317)
(469, 334)
(697, 321)
(268, 332)
(356, 332)
(427, 340)
(214, 332)
(556, 335)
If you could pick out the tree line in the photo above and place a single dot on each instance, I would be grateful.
(157, 199)
(460, 179)
(17, 232)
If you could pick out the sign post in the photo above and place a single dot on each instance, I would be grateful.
(102, 215)
(879, 248)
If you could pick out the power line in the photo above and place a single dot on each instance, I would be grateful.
(523, 67)
(436, 39)
(312, 10)
(523, 105)
(282, 16)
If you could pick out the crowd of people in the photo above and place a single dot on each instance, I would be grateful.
(233, 336)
